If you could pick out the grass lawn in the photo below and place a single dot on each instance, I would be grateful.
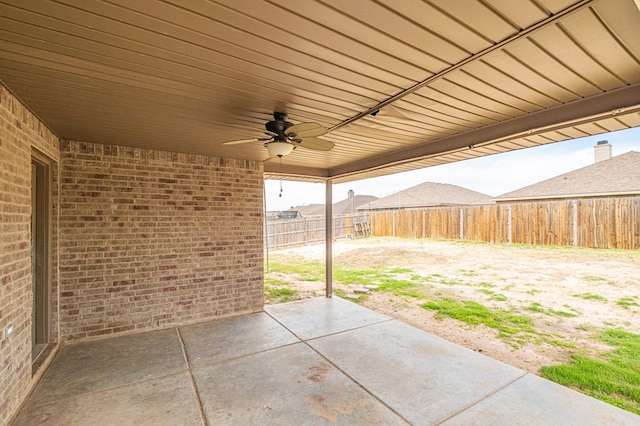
(615, 378)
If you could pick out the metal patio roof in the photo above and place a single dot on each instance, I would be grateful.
(401, 84)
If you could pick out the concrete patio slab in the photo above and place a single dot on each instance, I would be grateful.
(532, 400)
(167, 400)
(217, 341)
(286, 386)
(347, 365)
(312, 318)
(426, 378)
(107, 363)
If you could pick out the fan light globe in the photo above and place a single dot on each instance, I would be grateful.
(279, 149)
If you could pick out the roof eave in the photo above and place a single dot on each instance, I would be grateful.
(568, 196)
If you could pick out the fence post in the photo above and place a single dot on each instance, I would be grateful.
(424, 224)
(574, 223)
(509, 224)
(393, 224)
(461, 225)
(306, 230)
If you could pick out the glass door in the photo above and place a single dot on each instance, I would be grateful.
(40, 216)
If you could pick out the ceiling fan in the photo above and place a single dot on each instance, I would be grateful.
(284, 136)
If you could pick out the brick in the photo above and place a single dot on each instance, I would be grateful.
(161, 213)
(146, 239)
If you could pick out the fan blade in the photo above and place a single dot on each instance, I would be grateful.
(305, 130)
(246, 141)
(315, 144)
(239, 141)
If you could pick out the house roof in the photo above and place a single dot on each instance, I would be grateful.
(399, 86)
(618, 175)
(349, 205)
(429, 194)
(309, 210)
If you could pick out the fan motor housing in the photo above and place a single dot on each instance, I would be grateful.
(279, 124)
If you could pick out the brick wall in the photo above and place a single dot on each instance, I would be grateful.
(20, 132)
(151, 239)
(140, 240)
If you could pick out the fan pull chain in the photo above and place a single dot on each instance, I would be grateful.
(280, 180)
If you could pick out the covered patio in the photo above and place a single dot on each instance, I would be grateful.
(314, 361)
(133, 155)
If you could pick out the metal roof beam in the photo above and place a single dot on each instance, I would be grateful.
(274, 170)
(609, 103)
(524, 33)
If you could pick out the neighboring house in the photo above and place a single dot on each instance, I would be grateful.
(349, 205)
(429, 194)
(309, 210)
(271, 215)
(608, 177)
(289, 214)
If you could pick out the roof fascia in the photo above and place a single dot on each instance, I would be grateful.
(569, 196)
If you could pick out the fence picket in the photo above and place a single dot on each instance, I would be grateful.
(599, 223)
(287, 233)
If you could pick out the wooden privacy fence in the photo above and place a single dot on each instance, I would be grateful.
(596, 222)
(298, 232)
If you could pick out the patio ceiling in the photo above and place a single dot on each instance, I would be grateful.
(449, 79)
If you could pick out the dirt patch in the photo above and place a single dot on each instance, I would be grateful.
(570, 294)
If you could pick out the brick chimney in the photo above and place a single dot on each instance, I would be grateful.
(602, 151)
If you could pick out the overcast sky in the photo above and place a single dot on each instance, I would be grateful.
(493, 175)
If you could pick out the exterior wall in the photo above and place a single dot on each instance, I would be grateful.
(20, 132)
(140, 240)
(151, 239)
